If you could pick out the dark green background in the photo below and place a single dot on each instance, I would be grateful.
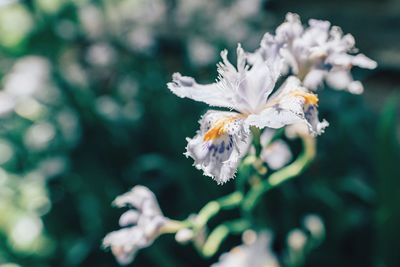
(354, 183)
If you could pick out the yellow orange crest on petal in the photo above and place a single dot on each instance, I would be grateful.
(218, 129)
(309, 98)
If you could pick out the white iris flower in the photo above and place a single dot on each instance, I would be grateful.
(256, 253)
(142, 224)
(247, 91)
(317, 53)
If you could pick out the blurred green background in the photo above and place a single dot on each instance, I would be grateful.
(85, 115)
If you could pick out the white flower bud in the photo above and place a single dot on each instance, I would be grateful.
(128, 218)
(296, 239)
(184, 235)
(314, 225)
(144, 224)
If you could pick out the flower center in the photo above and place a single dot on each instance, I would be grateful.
(219, 128)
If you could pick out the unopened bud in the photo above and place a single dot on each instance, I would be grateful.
(296, 239)
(184, 236)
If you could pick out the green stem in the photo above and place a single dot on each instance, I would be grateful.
(213, 207)
(244, 172)
(279, 177)
(219, 234)
(174, 226)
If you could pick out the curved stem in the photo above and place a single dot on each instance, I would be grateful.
(279, 177)
(219, 234)
(174, 226)
(244, 172)
(212, 208)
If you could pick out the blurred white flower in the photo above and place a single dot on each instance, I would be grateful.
(69, 126)
(39, 136)
(66, 29)
(256, 253)
(25, 231)
(6, 151)
(277, 153)
(146, 12)
(28, 107)
(201, 52)
(184, 235)
(141, 39)
(142, 224)
(101, 54)
(91, 20)
(314, 224)
(107, 107)
(7, 104)
(316, 53)
(138, 22)
(27, 77)
(7, 2)
(227, 21)
(53, 166)
(27, 88)
(296, 239)
(223, 137)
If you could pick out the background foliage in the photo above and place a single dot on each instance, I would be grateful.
(85, 115)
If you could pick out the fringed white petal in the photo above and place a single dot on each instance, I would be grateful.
(129, 217)
(316, 53)
(288, 111)
(290, 29)
(211, 94)
(138, 197)
(363, 61)
(219, 145)
(316, 126)
(142, 224)
(290, 104)
(283, 107)
(259, 82)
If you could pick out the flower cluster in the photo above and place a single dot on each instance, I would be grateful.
(142, 225)
(315, 54)
(249, 90)
(271, 88)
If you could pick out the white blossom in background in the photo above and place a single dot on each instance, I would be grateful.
(101, 54)
(140, 22)
(91, 21)
(255, 253)
(314, 225)
(216, 21)
(27, 78)
(276, 153)
(223, 138)
(316, 53)
(296, 239)
(201, 52)
(142, 224)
